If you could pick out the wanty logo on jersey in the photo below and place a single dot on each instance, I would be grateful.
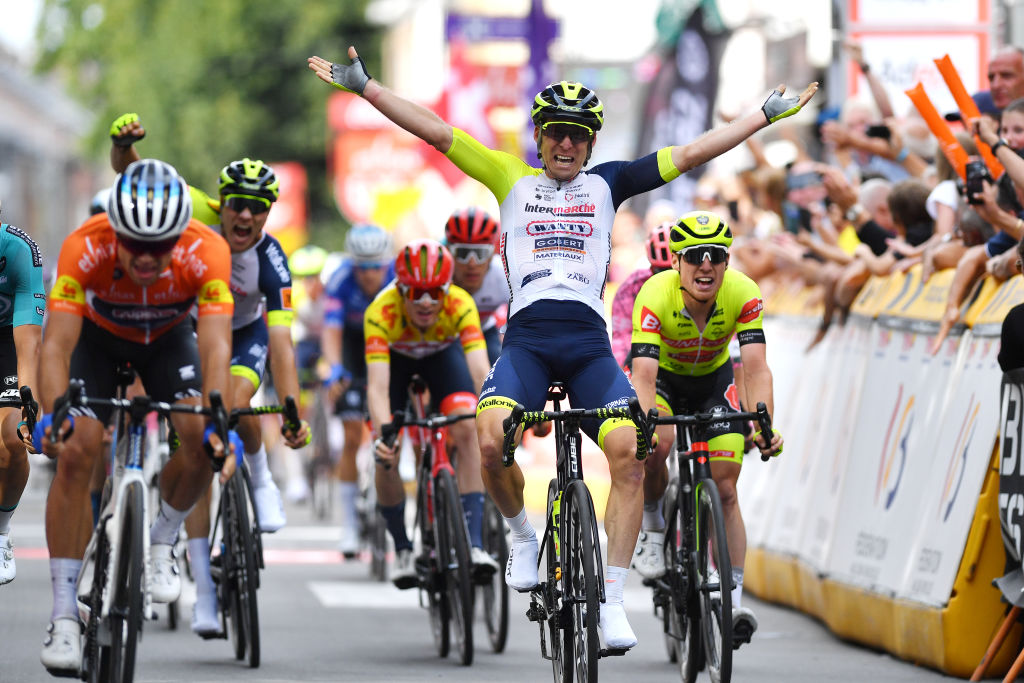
(648, 321)
(750, 311)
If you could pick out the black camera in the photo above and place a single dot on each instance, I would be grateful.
(976, 173)
(879, 131)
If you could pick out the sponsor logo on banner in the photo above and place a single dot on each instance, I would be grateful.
(957, 465)
(750, 311)
(1011, 481)
(893, 459)
(648, 321)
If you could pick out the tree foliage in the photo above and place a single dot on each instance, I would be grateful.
(211, 81)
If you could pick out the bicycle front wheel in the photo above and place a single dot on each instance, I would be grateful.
(456, 566)
(243, 570)
(125, 618)
(560, 657)
(714, 577)
(682, 613)
(580, 559)
(495, 593)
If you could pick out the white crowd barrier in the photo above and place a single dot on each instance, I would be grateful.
(880, 517)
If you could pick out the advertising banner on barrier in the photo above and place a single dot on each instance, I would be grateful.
(904, 391)
(838, 419)
(966, 432)
(1011, 462)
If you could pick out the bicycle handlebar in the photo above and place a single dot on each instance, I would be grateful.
(761, 416)
(139, 406)
(289, 411)
(521, 416)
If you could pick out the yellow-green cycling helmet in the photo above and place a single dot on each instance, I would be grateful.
(249, 177)
(570, 102)
(697, 228)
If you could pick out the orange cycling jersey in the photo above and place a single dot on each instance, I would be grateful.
(90, 282)
(386, 329)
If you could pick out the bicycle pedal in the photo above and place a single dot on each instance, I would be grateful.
(612, 651)
(741, 635)
(535, 612)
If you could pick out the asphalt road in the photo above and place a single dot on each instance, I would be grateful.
(324, 620)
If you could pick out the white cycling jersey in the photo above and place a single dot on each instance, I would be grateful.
(556, 236)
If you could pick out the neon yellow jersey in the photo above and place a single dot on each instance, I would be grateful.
(386, 329)
(663, 329)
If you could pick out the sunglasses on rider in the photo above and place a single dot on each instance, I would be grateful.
(423, 295)
(557, 131)
(712, 252)
(240, 202)
(472, 253)
(141, 247)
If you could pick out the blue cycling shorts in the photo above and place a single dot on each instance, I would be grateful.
(564, 341)
(249, 351)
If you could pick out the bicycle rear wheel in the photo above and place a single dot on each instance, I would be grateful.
(494, 603)
(581, 552)
(96, 656)
(683, 611)
(243, 569)
(453, 556)
(714, 576)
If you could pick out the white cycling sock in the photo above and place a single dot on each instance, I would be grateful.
(166, 525)
(653, 519)
(199, 558)
(258, 467)
(521, 528)
(63, 577)
(737, 592)
(614, 583)
(349, 492)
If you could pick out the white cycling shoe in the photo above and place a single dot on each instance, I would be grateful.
(615, 627)
(7, 568)
(269, 507)
(521, 568)
(164, 581)
(649, 556)
(744, 624)
(349, 543)
(62, 649)
(403, 571)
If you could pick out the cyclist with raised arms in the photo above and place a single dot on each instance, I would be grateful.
(554, 244)
(22, 301)
(351, 287)
(470, 234)
(683, 321)
(126, 282)
(660, 258)
(423, 325)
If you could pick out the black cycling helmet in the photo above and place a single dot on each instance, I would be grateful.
(565, 101)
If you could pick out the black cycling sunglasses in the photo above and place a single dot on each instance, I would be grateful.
(558, 131)
(712, 252)
(240, 202)
(141, 247)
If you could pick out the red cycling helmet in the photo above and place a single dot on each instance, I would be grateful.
(470, 226)
(424, 264)
(657, 247)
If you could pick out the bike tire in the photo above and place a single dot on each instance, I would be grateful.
(456, 565)
(552, 592)
(438, 608)
(494, 594)
(715, 601)
(683, 610)
(96, 657)
(581, 552)
(242, 570)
